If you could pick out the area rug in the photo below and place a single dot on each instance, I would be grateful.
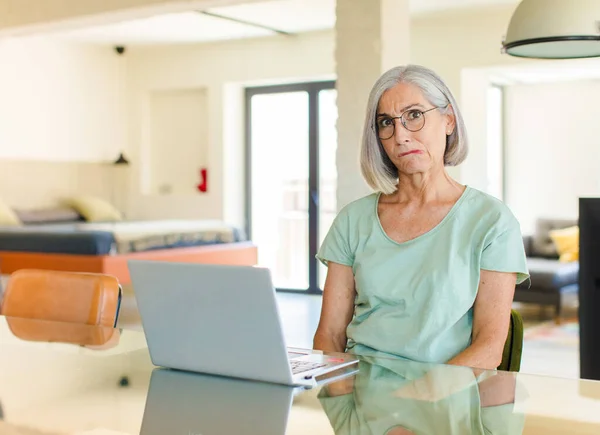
(565, 334)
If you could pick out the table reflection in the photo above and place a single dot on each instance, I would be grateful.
(188, 403)
(89, 336)
(394, 397)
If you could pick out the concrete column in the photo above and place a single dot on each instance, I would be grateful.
(371, 37)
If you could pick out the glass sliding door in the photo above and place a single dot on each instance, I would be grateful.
(279, 185)
(285, 126)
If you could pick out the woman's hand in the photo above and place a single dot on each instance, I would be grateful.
(438, 383)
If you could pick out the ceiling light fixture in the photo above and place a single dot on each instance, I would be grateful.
(554, 29)
(248, 23)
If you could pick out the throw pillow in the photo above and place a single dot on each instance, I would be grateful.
(542, 244)
(566, 241)
(95, 209)
(8, 217)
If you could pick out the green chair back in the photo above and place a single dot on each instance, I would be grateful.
(513, 347)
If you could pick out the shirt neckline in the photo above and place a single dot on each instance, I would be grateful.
(432, 230)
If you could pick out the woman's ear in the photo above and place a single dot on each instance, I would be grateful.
(450, 120)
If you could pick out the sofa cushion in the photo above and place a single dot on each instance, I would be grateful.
(542, 244)
(567, 243)
(551, 275)
(48, 215)
(8, 216)
(95, 209)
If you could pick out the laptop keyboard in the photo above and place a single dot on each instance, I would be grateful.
(304, 366)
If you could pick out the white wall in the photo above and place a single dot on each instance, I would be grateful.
(222, 69)
(63, 118)
(30, 184)
(61, 102)
(179, 136)
(552, 149)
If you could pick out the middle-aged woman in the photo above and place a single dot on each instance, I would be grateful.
(424, 268)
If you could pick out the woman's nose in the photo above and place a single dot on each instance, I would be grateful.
(401, 134)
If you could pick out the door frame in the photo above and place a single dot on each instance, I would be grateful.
(313, 89)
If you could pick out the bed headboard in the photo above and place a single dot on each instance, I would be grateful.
(30, 184)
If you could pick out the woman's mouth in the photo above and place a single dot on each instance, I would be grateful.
(411, 152)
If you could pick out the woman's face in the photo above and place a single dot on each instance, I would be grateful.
(412, 151)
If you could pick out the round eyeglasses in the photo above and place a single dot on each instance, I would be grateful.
(412, 120)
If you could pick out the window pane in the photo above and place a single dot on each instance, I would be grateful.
(279, 147)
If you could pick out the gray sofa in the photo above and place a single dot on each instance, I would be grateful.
(551, 279)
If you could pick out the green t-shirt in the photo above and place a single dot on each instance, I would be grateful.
(415, 299)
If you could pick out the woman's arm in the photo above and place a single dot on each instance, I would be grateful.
(491, 319)
(337, 309)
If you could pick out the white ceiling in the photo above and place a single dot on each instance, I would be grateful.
(292, 16)
(425, 6)
(186, 27)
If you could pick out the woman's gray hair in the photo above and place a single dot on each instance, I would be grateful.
(377, 169)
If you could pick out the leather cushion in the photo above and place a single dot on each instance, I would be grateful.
(85, 298)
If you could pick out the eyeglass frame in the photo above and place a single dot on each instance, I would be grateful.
(401, 118)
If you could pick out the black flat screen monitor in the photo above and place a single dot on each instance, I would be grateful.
(589, 288)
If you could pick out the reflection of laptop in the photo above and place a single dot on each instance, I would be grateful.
(191, 403)
(221, 320)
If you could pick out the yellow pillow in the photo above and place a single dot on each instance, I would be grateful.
(7, 216)
(95, 209)
(566, 241)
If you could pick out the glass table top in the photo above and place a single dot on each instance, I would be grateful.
(59, 379)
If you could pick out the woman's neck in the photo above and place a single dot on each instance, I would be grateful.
(421, 188)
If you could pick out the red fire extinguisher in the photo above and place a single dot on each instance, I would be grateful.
(202, 186)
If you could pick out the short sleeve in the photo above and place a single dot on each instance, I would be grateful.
(336, 245)
(505, 250)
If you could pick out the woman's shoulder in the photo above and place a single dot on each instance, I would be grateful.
(360, 206)
(486, 207)
(479, 198)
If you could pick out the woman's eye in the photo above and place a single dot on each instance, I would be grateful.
(385, 122)
(413, 114)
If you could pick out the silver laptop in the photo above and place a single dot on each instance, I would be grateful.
(223, 320)
(185, 403)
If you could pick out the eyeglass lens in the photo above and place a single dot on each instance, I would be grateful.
(413, 120)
